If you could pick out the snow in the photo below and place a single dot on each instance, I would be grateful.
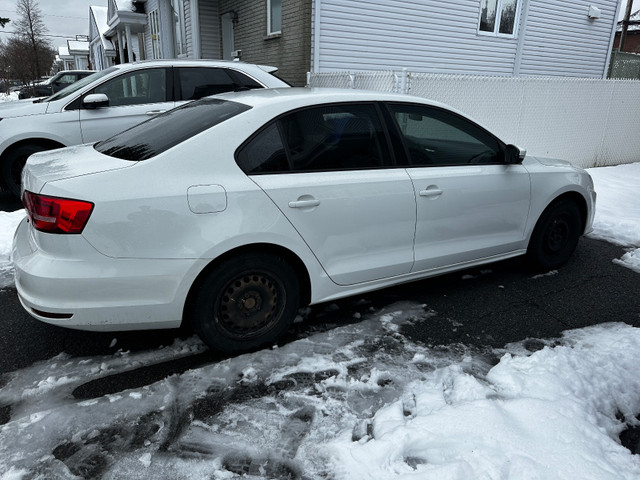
(617, 216)
(360, 401)
(8, 97)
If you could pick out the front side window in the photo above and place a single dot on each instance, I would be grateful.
(498, 17)
(274, 17)
(331, 137)
(136, 88)
(435, 137)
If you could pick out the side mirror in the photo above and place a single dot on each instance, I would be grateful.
(95, 100)
(514, 156)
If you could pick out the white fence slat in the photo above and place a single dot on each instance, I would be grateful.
(589, 122)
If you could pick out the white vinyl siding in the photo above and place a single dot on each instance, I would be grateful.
(432, 36)
(560, 39)
(423, 36)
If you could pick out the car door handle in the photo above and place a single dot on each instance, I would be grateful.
(155, 112)
(304, 203)
(431, 192)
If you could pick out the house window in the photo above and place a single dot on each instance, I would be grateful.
(274, 17)
(498, 17)
(154, 26)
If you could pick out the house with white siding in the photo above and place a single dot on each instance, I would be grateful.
(486, 37)
(480, 37)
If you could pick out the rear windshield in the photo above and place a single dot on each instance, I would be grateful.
(167, 130)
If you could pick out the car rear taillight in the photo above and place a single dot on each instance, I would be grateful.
(56, 215)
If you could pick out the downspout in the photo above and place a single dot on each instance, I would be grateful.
(316, 37)
(522, 30)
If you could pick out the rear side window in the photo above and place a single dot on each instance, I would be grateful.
(198, 82)
(167, 130)
(332, 137)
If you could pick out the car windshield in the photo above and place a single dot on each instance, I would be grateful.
(74, 87)
(167, 130)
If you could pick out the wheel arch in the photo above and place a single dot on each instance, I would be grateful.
(264, 248)
(44, 143)
(576, 198)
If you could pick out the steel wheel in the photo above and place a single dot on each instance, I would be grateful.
(250, 304)
(246, 302)
(555, 236)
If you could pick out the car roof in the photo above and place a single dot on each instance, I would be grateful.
(196, 62)
(305, 96)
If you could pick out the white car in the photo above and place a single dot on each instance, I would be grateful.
(233, 211)
(113, 100)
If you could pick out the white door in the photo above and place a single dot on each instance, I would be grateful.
(133, 98)
(227, 36)
(468, 212)
(470, 203)
(335, 184)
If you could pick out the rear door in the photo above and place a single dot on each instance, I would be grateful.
(133, 97)
(470, 204)
(328, 169)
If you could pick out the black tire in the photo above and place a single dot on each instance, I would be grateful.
(13, 164)
(247, 302)
(555, 236)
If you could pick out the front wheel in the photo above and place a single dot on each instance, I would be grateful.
(13, 164)
(247, 302)
(555, 236)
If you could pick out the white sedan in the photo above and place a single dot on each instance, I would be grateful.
(234, 211)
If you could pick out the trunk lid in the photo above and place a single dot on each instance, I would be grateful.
(63, 163)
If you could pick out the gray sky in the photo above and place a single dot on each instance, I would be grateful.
(63, 18)
(67, 18)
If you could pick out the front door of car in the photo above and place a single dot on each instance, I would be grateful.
(470, 204)
(328, 170)
(133, 97)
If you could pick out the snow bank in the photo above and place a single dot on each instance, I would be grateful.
(10, 97)
(8, 224)
(617, 218)
(549, 415)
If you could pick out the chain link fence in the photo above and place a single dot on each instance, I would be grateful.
(588, 122)
(624, 65)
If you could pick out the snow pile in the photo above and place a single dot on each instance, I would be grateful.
(8, 97)
(617, 218)
(550, 415)
(8, 224)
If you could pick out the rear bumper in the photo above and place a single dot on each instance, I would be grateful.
(86, 290)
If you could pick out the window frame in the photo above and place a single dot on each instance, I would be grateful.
(496, 27)
(271, 32)
(399, 135)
